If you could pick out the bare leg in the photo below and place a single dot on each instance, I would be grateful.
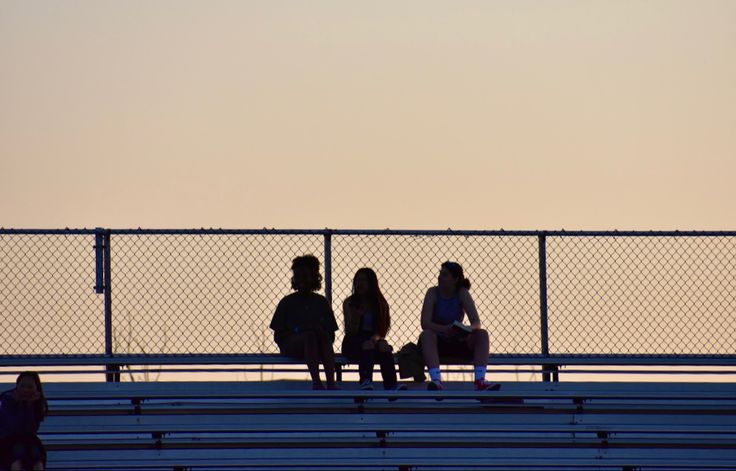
(328, 359)
(428, 339)
(479, 345)
(311, 355)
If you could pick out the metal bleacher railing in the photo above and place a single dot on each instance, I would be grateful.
(106, 296)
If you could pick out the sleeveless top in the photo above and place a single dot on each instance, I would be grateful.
(447, 310)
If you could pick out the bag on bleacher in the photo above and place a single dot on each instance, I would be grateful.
(411, 362)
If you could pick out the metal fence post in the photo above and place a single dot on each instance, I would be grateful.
(328, 265)
(543, 320)
(99, 260)
(112, 371)
(328, 285)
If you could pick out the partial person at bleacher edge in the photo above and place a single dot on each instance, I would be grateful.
(21, 413)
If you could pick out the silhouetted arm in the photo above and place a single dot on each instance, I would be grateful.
(428, 309)
(469, 306)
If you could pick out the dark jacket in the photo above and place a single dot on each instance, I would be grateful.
(301, 312)
(20, 417)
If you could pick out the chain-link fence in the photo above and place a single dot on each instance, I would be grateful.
(214, 291)
(642, 294)
(47, 296)
(209, 293)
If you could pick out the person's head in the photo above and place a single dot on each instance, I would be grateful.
(367, 294)
(306, 275)
(28, 385)
(365, 283)
(452, 277)
(28, 388)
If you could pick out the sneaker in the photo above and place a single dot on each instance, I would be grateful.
(366, 385)
(397, 387)
(435, 386)
(318, 386)
(483, 385)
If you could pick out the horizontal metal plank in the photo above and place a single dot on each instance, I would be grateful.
(467, 457)
(510, 394)
(390, 422)
(418, 440)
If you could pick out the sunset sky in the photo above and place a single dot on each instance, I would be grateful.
(412, 114)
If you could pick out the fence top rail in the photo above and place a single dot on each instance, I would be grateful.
(276, 359)
(386, 232)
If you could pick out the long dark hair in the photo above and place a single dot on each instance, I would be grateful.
(311, 263)
(457, 272)
(374, 300)
(40, 406)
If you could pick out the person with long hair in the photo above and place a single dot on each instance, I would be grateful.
(444, 305)
(367, 322)
(21, 413)
(304, 324)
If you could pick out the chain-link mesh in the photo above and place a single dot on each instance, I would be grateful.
(504, 273)
(209, 293)
(47, 297)
(642, 295)
(215, 293)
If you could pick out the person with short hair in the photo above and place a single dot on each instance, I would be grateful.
(304, 324)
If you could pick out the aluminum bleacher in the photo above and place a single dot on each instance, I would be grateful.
(179, 426)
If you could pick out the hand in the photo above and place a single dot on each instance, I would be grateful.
(384, 346)
(376, 338)
(27, 396)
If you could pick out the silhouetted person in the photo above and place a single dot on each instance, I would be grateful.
(304, 325)
(445, 304)
(367, 321)
(21, 413)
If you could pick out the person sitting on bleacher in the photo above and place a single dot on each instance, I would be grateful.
(367, 321)
(304, 324)
(21, 413)
(443, 333)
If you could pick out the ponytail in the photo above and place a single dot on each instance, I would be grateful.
(457, 271)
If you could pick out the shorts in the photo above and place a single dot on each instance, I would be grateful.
(456, 349)
(292, 345)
